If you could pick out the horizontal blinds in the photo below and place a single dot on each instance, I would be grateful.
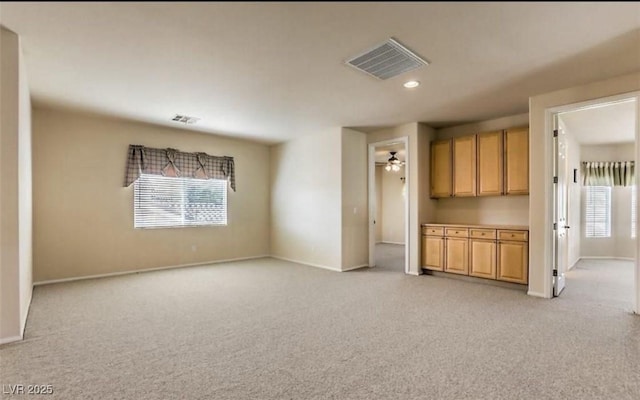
(161, 202)
(598, 211)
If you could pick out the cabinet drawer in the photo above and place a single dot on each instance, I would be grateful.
(433, 230)
(457, 232)
(519, 236)
(482, 233)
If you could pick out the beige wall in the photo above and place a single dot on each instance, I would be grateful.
(393, 229)
(84, 216)
(15, 190)
(540, 142)
(378, 183)
(306, 220)
(503, 210)
(355, 227)
(421, 208)
(620, 244)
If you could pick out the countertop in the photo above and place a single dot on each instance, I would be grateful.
(510, 227)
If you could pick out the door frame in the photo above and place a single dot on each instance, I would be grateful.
(372, 198)
(550, 114)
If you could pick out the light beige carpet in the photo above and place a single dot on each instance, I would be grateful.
(268, 329)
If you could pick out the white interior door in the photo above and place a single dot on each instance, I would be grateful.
(560, 209)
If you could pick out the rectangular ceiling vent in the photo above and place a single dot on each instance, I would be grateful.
(185, 119)
(387, 60)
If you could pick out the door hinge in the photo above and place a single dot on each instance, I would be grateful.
(555, 226)
(555, 179)
(555, 133)
(555, 272)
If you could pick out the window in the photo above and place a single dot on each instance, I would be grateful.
(633, 211)
(161, 202)
(598, 211)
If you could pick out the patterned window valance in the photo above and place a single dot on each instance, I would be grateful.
(171, 162)
(608, 173)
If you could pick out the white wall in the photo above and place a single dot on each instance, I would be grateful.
(620, 244)
(84, 216)
(306, 199)
(393, 229)
(15, 190)
(25, 198)
(355, 227)
(540, 178)
(500, 210)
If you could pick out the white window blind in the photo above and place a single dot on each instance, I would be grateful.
(161, 202)
(633, 211)
(598, 211)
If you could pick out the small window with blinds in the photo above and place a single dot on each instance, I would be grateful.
(598, 212)
(634, 211)
(166, 202)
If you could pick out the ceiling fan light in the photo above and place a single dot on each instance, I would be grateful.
(388, 167)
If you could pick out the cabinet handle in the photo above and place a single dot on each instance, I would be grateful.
(512, 235)
(482, 234)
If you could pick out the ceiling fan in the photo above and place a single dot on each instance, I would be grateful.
(393, 163)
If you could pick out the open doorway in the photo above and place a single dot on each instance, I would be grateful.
(388, 195)
(595, 228)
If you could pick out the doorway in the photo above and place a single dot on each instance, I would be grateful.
(389, 205)
(595, 233)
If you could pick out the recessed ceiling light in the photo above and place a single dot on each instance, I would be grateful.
(411, 84)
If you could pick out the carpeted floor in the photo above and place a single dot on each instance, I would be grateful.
(269, 329)
(390, 257)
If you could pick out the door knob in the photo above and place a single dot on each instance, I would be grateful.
(567, 227)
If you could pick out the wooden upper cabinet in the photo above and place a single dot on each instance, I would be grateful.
(441, 168)
(490, 164)
(516, 148)
(464, 166)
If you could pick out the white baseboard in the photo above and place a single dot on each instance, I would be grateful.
(606, 258)
(574, 264)
(536, 294)
(307, 263)
(136, 271)
(26, 315)
(10, 339)
(355, 267)
(385, 242)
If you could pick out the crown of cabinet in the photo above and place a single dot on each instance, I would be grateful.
(485, 164)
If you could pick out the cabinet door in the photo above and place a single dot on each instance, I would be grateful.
(516, 147)
(490, 163)
(513, 262)
(482, 258)
(464, 166)
(457, 256)
(441, 168)
(433, 253)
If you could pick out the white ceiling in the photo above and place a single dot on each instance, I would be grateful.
(610, 123)
(274, 71)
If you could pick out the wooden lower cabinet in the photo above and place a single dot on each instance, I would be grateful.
(482, 256)
(457, 256)
(513, 262)
(433, 253)
(483, 251)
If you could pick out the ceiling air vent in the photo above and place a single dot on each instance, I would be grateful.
(185, 119)
(387, 60)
